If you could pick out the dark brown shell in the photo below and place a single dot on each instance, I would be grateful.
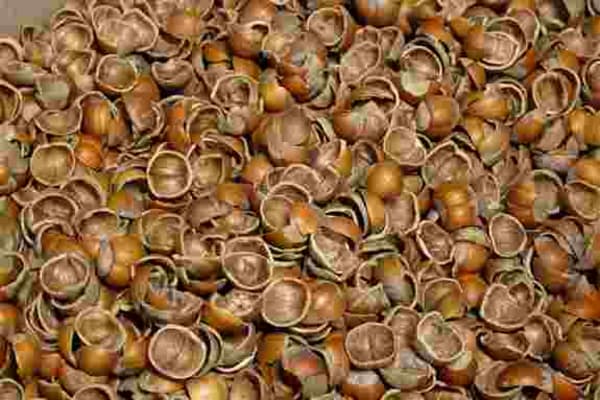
(237, 95)
(437, 116)
(543, 334)
(392, 271)
(248, 384)
(287, 145)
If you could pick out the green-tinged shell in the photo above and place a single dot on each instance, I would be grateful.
(437, 341)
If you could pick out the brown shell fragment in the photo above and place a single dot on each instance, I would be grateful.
(333, 254)
(95, 392)
(11, 389)
(359, 61)
(525, 373)
(286, 199)
(12, 102)
(370, 345)
(333, 25)
(445, 296)
(534, 197)
(173, 74)
(52, 164)
(437, 341)
(59, 122)
(403, 146)
(437, 116)
(97, 327)
(456, 204)
(184, 20)
(71, 35)
(447, 163)
(583, 198)
(543, 334)
(327, 303)
(408, 372)
(502, 310)
(435, 242)
(123, 33)
(53, 91)
(403, 213)
(65, 276)
(550, 264)
(249, 271)
(169, 174)
(505, 346)
(176, 352)
(286, 302)
(507, 235)
(421, 69)
(115, 75)
(486, 382)
(365, 385)
(554, 92)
